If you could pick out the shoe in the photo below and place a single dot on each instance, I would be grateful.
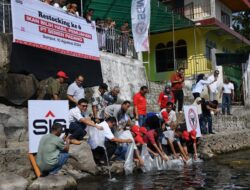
(74, 141)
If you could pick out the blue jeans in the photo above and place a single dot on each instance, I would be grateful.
(226, 103)
(62, 159)
(121, 151)
(141, 120)
(204, 121)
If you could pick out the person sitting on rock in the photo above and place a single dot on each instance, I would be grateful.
(101, 140)
(78, 122)
(51, 88)
(52, 151)
(188, 141)
(112, 96)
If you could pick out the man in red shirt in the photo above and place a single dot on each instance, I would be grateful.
(165, 97)
(151, 139)
(140, 105)
(177, 81)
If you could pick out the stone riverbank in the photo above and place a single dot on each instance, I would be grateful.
(233, 133)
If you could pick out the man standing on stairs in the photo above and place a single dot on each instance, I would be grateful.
(177, 81)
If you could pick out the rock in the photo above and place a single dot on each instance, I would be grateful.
(82, 158)
(54, 182)
(14, 123)
(117, 168)
(10, 181)
(20, 88)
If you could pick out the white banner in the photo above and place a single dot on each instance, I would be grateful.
(43, 26)
(192, 119)
(140, 16)
(42, 115)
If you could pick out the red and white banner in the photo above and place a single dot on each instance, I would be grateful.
(192, 119)
(43, 26)
(42, 115)
(140, 17)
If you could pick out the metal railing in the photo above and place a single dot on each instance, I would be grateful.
(5, 17)
(195, 11)
(113, 41)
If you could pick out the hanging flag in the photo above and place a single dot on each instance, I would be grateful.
(140, 16)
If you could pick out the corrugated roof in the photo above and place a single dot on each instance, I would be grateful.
(119, 10)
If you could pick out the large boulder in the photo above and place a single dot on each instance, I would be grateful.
(82, 158)
(54, 182)
(20, 88)
(10, 181)
(13, 124)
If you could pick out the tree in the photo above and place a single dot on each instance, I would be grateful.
(242, 23)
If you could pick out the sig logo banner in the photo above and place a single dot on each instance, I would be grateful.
(42, 115)
(192, 119)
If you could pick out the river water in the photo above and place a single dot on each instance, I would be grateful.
(228, 171)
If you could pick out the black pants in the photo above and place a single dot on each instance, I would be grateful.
(77, 130)
(179, 96)
(196, 95)
(99, 152)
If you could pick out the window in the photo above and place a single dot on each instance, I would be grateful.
(225, 18)
(209, 46)
(160, 58)
(181, 53)
(170, 56)
(189, 11)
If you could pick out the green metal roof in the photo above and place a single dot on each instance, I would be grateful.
(119, 10)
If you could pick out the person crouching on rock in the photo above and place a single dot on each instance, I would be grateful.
(105, 139)
(188, 141)
(152, 137)
(78, 122)
(52, 151)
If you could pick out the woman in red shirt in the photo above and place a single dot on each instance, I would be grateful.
(165, 97)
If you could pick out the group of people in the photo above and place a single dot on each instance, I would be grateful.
(111, 130)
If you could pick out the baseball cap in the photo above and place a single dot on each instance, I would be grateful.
(185, 135)
(143, 130)
(62, 74)
(135, 129)
(138, 139)
(193, 134)
(165, 116)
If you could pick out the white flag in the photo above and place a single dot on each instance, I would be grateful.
(140, 16)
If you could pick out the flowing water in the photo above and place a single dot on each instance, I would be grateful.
(228, 171)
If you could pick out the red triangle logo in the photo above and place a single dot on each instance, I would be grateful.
(50, 114)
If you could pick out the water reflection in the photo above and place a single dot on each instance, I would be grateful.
(231, 171)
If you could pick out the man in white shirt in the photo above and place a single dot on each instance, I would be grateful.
(228, 96)
(78, 122)
(213, 87)
(101, 140)
(75, 91)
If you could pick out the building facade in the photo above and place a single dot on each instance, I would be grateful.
(194, 48)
